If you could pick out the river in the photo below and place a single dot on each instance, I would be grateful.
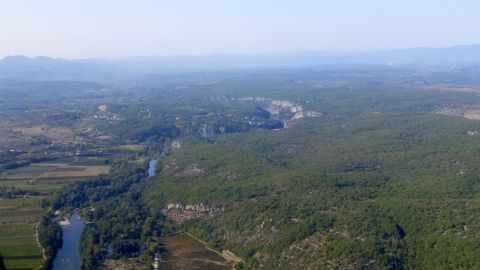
(151, 167)
(68, 257)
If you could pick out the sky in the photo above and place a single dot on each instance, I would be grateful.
(118, 28)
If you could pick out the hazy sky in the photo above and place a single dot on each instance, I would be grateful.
(116, 28)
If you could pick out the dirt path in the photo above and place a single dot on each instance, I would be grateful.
(45, 173)
(226, 254)
(192, 260)
(38, 242)
(18, 236)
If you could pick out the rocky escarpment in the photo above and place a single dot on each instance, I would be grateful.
(291, 111)
(284, 110)
(270, 114)
(179, 213)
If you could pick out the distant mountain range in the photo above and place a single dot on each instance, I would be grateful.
(44, 68)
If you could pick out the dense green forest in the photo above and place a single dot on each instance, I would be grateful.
(368, 196)
(288, 169)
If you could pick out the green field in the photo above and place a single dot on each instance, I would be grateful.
(20, 202)
(17, 234)
(22, 256)
(16, 230)
(52, 175)
(132, 147)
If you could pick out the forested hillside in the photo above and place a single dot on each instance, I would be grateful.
(273, 169)
(393, 187)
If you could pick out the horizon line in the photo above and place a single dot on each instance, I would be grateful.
(340, 52)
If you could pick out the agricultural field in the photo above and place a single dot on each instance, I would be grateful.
(52, 175)
(183, 251)
(20, 216)
(132, 147)
(18, 240)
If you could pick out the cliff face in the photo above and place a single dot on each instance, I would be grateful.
(176, 144)
(269, 114)
(288, 111)
(182, 212)
(209, 130)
